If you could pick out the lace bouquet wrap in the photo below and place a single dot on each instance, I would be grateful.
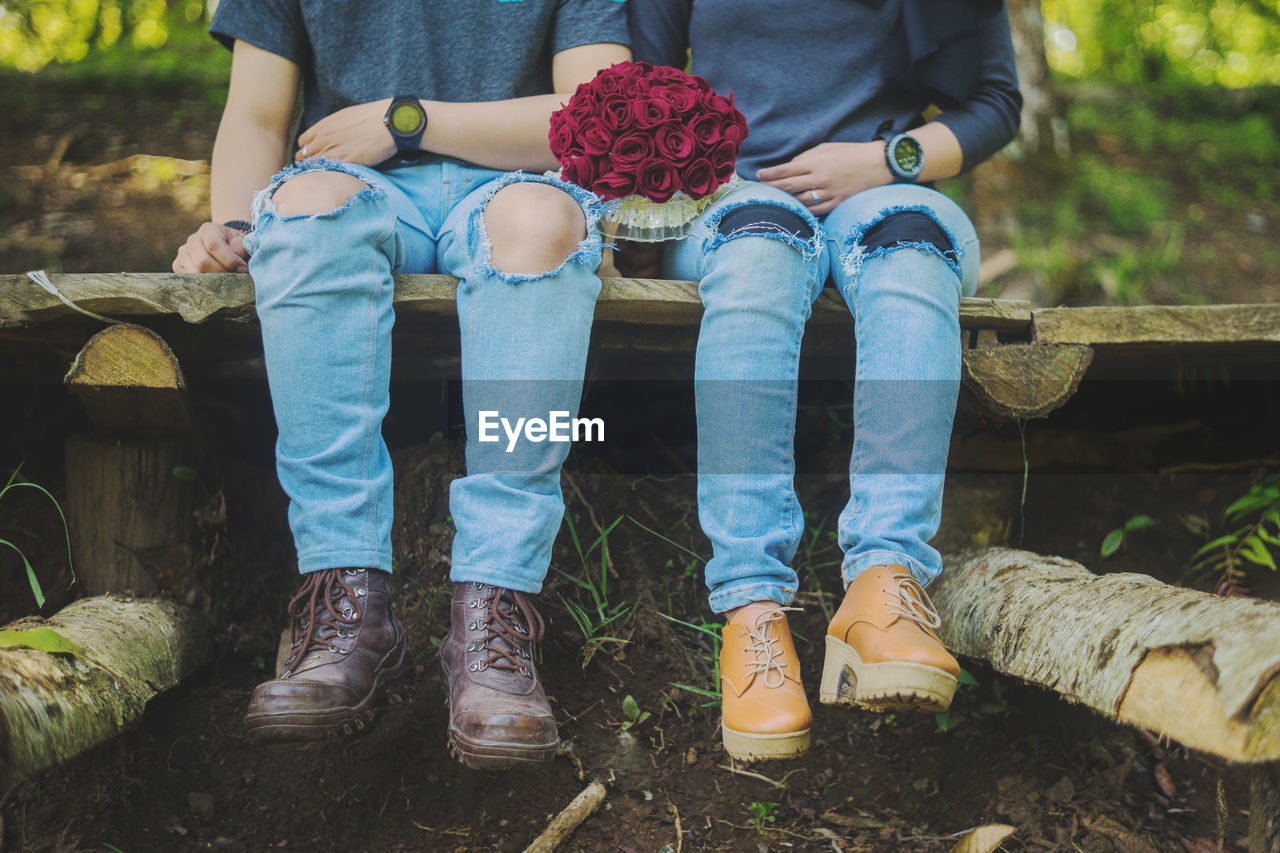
(659, 142)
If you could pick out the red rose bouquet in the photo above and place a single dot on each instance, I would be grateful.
(656, 139)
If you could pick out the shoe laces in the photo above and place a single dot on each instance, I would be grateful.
(913, 603)
(505, 637)
(764, 643)
(314, 615)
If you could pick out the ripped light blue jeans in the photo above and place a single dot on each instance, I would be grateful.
(324, 298)
(758, 281)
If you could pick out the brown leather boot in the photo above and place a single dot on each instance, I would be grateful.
(348, 650)
(498, 714)
(766, 714)
(882, 652)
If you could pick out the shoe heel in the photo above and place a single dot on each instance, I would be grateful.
(839, 674)
(889, 686)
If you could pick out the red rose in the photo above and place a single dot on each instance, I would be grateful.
(734, 131)
(675, 143)
(594, 138)
(657, 179)
(614, 185)
(632, 149)
(582, 171)
(651, 112)
(706, 128)
(616, 113)
(561, 137)
(681, 98)
(722, 159)
(698, 178)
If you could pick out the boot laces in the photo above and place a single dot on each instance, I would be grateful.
(764, 643)
(505, 637)
(913, 603)
(315, 618)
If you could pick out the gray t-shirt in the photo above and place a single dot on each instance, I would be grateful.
(822, 71)
(443, 50)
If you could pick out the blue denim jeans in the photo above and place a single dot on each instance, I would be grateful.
(758, 279)
(324, 298)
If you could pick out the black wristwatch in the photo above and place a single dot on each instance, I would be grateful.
(903, 154)
(406, 120)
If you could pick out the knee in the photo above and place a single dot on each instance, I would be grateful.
(533, 227)
(316, 191)
(913, 238)
(908, 228)
(761, 247)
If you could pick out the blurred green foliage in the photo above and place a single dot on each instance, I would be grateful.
(1232, 43)
(113, 39)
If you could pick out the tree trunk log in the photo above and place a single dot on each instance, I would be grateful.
(128, 379)
(55, 706)
(1194, 667)
(131, 519)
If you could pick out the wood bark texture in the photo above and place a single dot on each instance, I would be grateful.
(55, 706)
(1192, 666)
(563, 824)
(1158, 324)
(130, 518)
(1025, 380)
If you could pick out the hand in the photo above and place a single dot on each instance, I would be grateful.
(353, 135)
(836, 170)
(213, 248)
(637, 260)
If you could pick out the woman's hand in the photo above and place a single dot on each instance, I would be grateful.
(834, 170)
(213, 248)
(353, 135)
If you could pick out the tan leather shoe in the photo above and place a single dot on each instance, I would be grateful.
(882, 652)
(766, 714)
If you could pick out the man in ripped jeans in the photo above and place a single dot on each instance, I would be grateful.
(413, 115)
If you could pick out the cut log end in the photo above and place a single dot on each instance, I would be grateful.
(1025, 380)
(128, 378)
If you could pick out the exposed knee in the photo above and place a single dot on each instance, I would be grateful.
(316, 191)
(907, 228)
(759, 218)
(533, 227)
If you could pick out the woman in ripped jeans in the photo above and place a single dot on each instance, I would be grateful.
(838, 164)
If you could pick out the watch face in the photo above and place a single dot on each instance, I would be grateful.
(907, 155)
(407, 119)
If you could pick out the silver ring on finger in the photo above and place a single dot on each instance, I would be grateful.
(302, 152)
(817, 199)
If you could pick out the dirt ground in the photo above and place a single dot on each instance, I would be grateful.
(89, 186)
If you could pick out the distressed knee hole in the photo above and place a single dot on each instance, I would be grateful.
(907, 228)
(757, 218)
(316, 192)
(532, 228)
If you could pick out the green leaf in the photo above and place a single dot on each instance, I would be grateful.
(943, 720)
(31, 573)
(1113, 542)
(966, 679)
(185, 473)
(1139, 522)
(1256, 552)
(42, 640)
(1246, 505)
(630, 707)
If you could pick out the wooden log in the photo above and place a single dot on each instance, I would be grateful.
(55, 706)
(1025, 380)
(201, 297)
(128, 378)
(130, 517)
(1154, 325)
(1190, 666)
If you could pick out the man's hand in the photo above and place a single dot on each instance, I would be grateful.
(213, 248)
(353, 135)
(836, 170)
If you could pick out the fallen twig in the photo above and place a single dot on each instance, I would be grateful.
(563, 824)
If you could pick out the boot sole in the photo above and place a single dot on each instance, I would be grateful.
(497, 756)
(750, 746)
(894, 686)
(391, 685)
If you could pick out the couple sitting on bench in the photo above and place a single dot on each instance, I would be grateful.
(414, 117)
